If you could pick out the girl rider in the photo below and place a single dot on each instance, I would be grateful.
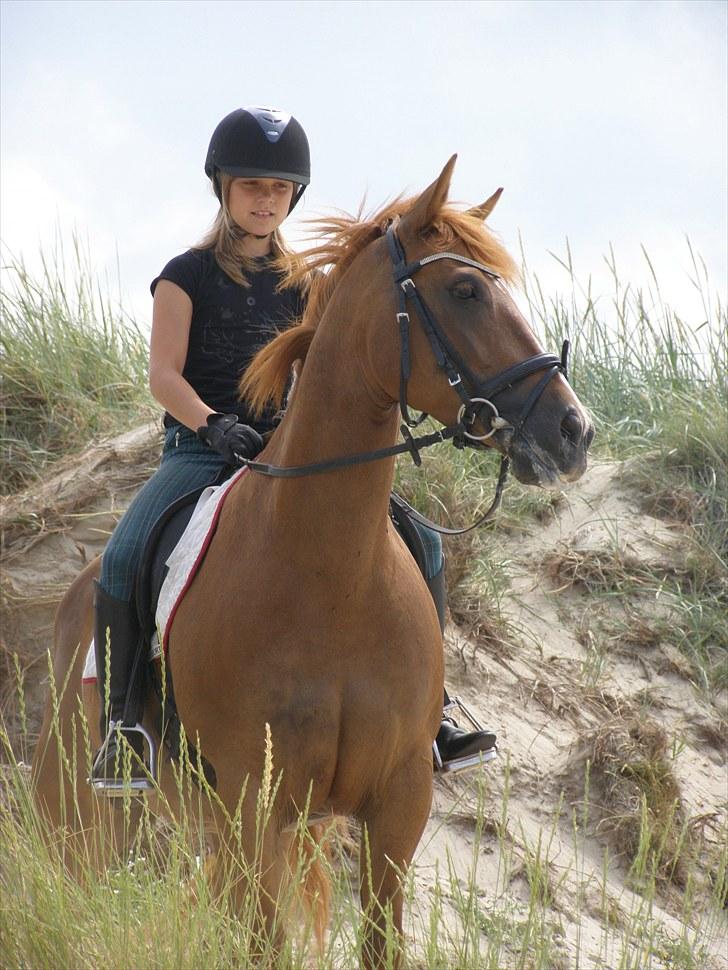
(215, 306)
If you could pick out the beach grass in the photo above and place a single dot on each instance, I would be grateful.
(73, 364)
(155, 907)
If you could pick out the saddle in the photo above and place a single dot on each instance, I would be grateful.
(163, 539)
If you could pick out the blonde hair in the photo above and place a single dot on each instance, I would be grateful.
(225, 238)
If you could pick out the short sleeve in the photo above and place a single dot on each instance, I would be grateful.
(186, 270)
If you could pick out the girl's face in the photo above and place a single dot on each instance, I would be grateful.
(259, 206)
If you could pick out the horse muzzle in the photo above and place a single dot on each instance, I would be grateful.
(551, 452)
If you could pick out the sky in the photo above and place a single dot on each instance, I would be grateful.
(606, 123)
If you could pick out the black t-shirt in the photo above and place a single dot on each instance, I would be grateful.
(230, 323)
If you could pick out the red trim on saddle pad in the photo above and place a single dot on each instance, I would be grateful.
(200, 556)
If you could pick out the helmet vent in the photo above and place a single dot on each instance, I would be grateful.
(267, 118)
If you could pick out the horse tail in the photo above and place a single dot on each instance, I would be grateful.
(310, 854)
(315, 887)
(266, 378)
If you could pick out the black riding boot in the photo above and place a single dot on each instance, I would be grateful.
(437, 586)
(452, 742)
(117, 631)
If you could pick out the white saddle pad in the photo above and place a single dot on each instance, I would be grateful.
(182, 566)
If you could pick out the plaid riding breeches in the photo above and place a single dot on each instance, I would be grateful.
(186, 464)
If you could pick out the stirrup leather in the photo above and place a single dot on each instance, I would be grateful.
(471, 760)
(135, 783)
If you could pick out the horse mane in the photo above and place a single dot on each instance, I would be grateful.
(340, 239)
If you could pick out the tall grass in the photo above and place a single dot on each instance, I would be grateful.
(156, 908)
(636, 362)
(657, 385)
(73, 365)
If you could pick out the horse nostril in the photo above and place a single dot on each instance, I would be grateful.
(589, 436)
(571, 428)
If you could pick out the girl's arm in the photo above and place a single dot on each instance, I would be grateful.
(171, 321)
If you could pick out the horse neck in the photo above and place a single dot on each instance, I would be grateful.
(333, 413)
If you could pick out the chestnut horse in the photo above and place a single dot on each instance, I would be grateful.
(308, 618)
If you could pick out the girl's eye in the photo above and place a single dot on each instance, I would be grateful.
(464, 291)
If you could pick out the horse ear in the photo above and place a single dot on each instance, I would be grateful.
(427, 207)
(484, 210)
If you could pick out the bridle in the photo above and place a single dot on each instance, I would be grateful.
(459, 377)
(449, 360)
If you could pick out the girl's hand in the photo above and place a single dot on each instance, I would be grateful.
(231, 439)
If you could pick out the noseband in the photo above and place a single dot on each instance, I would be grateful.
(458, 375)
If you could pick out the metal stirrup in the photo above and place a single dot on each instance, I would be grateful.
(119, 786)
(469, 761)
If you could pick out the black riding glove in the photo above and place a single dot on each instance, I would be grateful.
(224, 434)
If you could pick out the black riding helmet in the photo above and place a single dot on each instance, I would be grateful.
(260, 143)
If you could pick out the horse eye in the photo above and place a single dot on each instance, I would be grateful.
(463, 291)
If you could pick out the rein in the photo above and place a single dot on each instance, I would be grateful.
(448, 360)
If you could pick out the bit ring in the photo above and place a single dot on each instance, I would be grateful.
(461, 414)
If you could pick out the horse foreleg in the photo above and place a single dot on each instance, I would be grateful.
(393, 826)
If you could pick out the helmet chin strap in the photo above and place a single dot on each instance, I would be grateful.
(241, 233)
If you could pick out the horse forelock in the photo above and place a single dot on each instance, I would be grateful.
(338, 240)
(480, 243)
